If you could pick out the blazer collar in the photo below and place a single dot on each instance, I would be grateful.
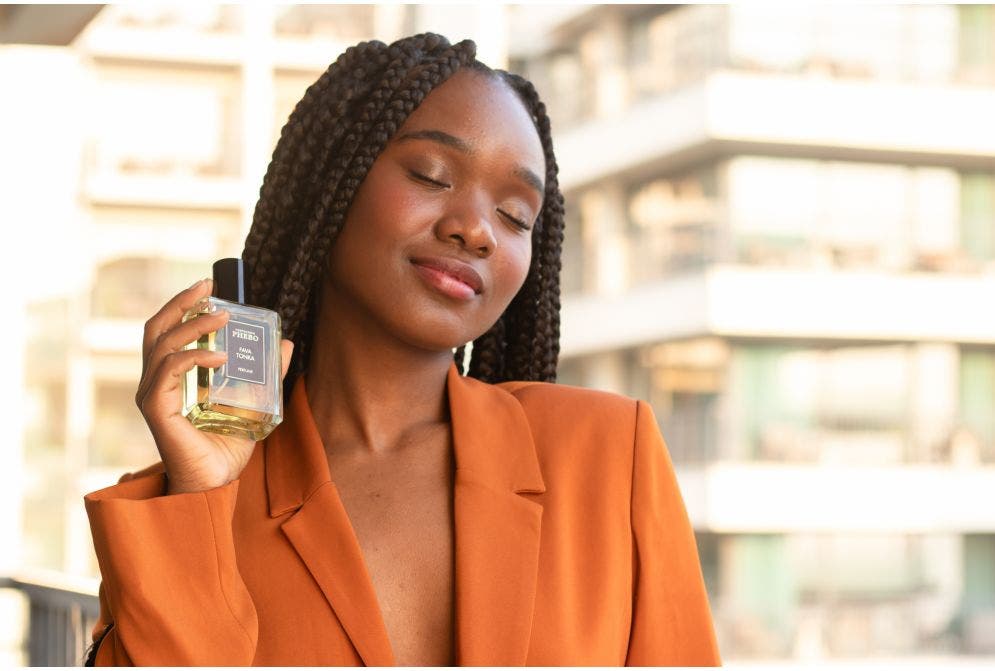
(496, 529)
(295, 459)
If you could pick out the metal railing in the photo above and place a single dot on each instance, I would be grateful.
(62, 612)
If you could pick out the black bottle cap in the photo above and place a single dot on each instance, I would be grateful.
(231, 277)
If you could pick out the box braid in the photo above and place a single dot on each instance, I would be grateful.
(325, 150)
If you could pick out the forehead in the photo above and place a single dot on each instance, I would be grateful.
(485, 112)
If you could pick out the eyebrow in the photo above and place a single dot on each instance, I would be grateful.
(444, 138)
(437, 136)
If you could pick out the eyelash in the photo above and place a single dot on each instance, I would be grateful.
(440, 185)
(428, 180)
(517, 222)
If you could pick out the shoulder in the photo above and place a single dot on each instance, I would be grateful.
(575, 403)
(576, 416)
(585, 441)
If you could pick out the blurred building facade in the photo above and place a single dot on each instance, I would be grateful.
(782, 234)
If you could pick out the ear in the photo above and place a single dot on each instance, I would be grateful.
(286, 351)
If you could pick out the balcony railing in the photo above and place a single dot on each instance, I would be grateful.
(62, 613)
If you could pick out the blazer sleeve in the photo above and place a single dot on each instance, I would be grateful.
(671, 620)
(171, 593)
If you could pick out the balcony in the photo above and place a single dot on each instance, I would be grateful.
(62, 612)
(180, 192)
(729, 497)
(744, 302)
(735, 112)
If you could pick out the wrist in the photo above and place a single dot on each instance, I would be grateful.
(179, 486)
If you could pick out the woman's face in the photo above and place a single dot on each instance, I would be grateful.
(438, 239)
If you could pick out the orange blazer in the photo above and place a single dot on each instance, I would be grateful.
(572, 547)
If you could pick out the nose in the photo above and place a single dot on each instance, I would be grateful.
(468, 225)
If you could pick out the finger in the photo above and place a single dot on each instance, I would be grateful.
(170, 314)
(159, 401)
(176, 338)
(286, 351)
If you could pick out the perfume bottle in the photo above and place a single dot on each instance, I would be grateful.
(244, 396)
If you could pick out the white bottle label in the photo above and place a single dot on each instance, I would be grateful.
(246, 344)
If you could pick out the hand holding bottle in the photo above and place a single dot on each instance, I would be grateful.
(194, 460)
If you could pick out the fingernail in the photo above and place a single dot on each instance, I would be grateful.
(195, 285)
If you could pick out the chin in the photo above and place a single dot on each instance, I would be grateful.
(441, 333)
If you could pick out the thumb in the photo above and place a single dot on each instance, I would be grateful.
(286, 351)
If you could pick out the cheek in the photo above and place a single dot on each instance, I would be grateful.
(370, 216)
(387, 205)
(514, 266)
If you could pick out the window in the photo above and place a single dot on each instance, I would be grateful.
(774, 209)
(50, 328)
(343, 23)
(566, 87)
(977, 224)
(976, 48)
(670, 47)
(870, 42)
(843, 214)
(673, 225)
(859, 593)
(839, 594)
(771, 38)
(163, 122)
(864, 213)
(979, 594)
(203, 17)
(759, 594)
(135, 288)
(848, 404)
(683, 382)
(935, 219)
(974, 440)
(45, 418)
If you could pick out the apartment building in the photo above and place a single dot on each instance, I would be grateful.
(782, 234)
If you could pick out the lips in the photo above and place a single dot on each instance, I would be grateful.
(458, 270)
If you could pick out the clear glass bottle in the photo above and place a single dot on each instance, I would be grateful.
(244, 396)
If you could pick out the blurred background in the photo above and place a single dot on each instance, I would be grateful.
(781, 233)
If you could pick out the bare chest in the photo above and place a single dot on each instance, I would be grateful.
(401, 513)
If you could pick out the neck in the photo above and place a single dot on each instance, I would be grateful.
(369, 393)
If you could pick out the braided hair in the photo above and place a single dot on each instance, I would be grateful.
(325, 150)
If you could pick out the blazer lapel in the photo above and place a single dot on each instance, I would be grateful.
(497, 530)
(297, 478)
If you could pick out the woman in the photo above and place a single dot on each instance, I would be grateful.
(403, 513)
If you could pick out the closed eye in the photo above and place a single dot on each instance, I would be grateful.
(417, 176)
(436, 184)
(515, 220)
